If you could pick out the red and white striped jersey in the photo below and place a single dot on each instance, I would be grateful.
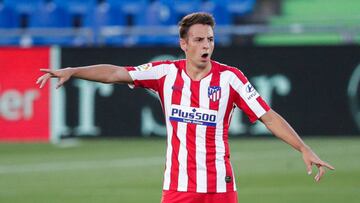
(197, 115)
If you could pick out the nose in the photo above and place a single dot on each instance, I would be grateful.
(206, 44)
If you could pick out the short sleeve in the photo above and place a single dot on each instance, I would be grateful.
(247, 98)
(147, 75)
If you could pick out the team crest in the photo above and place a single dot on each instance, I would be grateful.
(144, 67)
(214, 93)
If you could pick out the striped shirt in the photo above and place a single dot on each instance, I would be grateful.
(197, 116)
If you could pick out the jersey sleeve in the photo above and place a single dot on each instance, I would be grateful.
(148, 75)
(247, 98)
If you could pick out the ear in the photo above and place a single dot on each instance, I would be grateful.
(183, 44)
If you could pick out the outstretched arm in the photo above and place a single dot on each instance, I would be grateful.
(100, 73)
(281, 129)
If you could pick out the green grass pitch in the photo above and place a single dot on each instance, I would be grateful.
(131, 170)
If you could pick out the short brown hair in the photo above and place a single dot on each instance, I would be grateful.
(192, 19)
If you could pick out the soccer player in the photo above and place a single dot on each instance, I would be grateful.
(198, 96)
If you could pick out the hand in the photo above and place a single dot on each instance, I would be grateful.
(310, 159)
(62, 74)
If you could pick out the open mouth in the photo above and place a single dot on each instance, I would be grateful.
(205, 55)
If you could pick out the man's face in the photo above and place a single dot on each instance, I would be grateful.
(199, 45)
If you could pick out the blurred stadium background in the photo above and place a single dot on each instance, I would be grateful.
(91, 142)
(153, 22)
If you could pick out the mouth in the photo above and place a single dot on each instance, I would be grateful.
(205, 55)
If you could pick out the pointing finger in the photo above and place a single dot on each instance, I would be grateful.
(45, 70)
(327, 165)
(48, 71)
(323, 163)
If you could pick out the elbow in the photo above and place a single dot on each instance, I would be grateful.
(268, 118)
(271, 119)
(114, 76)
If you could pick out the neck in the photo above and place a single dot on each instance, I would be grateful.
(195, 72)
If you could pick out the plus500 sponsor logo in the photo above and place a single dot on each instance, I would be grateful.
(193, 115)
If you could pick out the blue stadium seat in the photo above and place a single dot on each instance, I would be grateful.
(222, 17)
(156, 14)
(8, 21)
(129, 7)
(76, 6)
(125, 13)
(62, 14)
(22, 9)
(130, 10)
(241, 7)
(7, 17)
(183, 7)
(76, 10)
(102, 17)
(24, 6)
(237, 7)
(50, 17)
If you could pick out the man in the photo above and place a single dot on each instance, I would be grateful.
(198, 96)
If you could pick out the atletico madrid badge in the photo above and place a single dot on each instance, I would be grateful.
(214, 93)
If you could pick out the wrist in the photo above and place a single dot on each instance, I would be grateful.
(71, 71)
(304, 148)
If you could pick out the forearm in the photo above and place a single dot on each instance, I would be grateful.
(282, 129)
(104, 73)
